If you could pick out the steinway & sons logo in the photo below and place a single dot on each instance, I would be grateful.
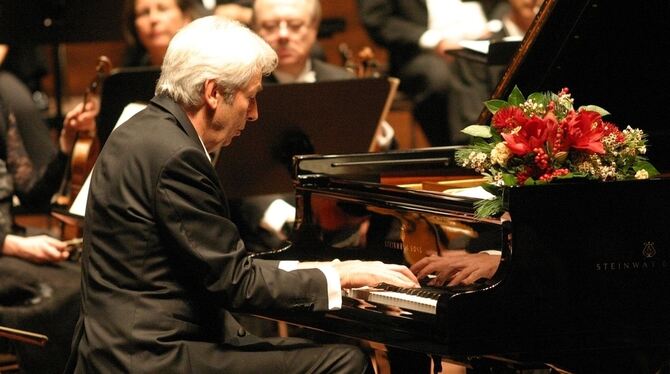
(648, 261)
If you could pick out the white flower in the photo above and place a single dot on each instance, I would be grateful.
(642, 174)
(500, 154)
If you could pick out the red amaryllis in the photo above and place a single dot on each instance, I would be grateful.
(532, 134)
(508, 118)
(584, 131)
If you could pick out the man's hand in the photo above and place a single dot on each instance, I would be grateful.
(79, 119)
(39, 249)
(357, 273)
(456, 267)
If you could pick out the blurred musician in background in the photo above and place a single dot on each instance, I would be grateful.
(29, 175)
(148, 27)
(239, 10)
(158, 245)
(418, 35)
(473, 81)
(35, 283)
(291, 28)
(151, 24)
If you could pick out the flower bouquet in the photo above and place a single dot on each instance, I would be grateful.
(542, 138)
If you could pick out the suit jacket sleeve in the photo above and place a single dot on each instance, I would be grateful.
(191, 207)
(393, 23)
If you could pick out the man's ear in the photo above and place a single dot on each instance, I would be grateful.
(211, 93)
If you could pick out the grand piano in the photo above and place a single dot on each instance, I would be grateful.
(583, 283)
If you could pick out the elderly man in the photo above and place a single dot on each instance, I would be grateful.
(291, 27)
(163, 266)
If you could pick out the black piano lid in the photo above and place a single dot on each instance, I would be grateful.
(608, 53)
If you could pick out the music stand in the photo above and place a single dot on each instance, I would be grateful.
(55, 22)
(122, 87)
(333, 117)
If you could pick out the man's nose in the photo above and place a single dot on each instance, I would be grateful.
(252, 112)
(283, 30)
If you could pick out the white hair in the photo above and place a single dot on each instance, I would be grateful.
(212, 48)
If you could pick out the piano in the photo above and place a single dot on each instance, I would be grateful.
(583, 281)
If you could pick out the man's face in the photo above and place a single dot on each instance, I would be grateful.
(288, 27)
(229, 120)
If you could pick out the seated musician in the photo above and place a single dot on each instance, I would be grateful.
(148, 28)
(36, 283)
(161, 250)
(30, 182)
(290, 27)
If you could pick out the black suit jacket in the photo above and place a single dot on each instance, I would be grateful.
(162, 263)
(323, 71)
(396, 25)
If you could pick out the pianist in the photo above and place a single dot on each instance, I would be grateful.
(163, 267)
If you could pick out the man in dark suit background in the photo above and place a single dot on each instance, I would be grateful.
(418, 34)
(291, 28)
(163, 266)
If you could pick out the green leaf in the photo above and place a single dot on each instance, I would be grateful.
(516, 97)
(509, 179)
(539, 98)
(488, 208)
(646, 165)
(595, 108)
(480, 131)
(494, 105)
(491, 188)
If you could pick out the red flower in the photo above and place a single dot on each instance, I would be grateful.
(507, 118)
(584, 131)
(610, 128)
(533, 134)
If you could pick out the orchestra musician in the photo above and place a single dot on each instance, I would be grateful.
(148, 27)
(37, 283)
(290, 27)
(29, 181)
(418, 35)
(162, 266)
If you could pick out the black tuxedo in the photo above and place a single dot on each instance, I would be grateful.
(162, 263)
(323, 71)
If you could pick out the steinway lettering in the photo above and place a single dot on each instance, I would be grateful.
(632, 265)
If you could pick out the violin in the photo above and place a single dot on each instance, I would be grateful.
(364, 66)
(86, 146)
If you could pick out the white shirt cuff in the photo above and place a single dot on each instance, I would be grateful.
(430, 39)
(332, 281)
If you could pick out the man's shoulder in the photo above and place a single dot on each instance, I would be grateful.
(327, 71)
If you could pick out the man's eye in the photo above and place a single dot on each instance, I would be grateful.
(295, 25)
(270, 26)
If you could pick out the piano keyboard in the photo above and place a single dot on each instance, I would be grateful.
(415, 299)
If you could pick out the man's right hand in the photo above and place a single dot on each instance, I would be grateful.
(356, 273)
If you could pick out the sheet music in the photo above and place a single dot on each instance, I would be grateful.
(78, 206)
(472, 192)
